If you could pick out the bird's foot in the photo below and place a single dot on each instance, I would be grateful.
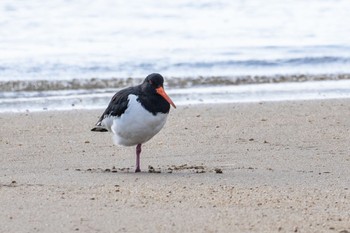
(137, 170)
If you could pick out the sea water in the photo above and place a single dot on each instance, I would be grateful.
(52, 51)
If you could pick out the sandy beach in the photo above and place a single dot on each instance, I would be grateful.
(254, 167)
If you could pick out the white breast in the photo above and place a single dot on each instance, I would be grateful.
(136, 125)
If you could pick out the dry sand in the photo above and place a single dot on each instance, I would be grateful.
(285, 168)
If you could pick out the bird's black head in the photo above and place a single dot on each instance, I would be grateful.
(153, 83)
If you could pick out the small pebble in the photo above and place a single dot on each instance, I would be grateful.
(218, 170)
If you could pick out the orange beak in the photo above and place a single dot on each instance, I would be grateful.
(160, 91)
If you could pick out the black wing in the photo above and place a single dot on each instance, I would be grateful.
(116, 107)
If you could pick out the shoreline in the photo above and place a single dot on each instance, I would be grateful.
(284, 168)
(93, 99)
(170, 81)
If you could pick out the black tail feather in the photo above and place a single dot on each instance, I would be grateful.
(99, 129)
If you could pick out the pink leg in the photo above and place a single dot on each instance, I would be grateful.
(138, 152)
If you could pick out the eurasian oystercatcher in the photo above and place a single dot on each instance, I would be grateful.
(135, 114)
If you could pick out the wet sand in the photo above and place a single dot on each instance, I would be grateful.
(258, 167)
